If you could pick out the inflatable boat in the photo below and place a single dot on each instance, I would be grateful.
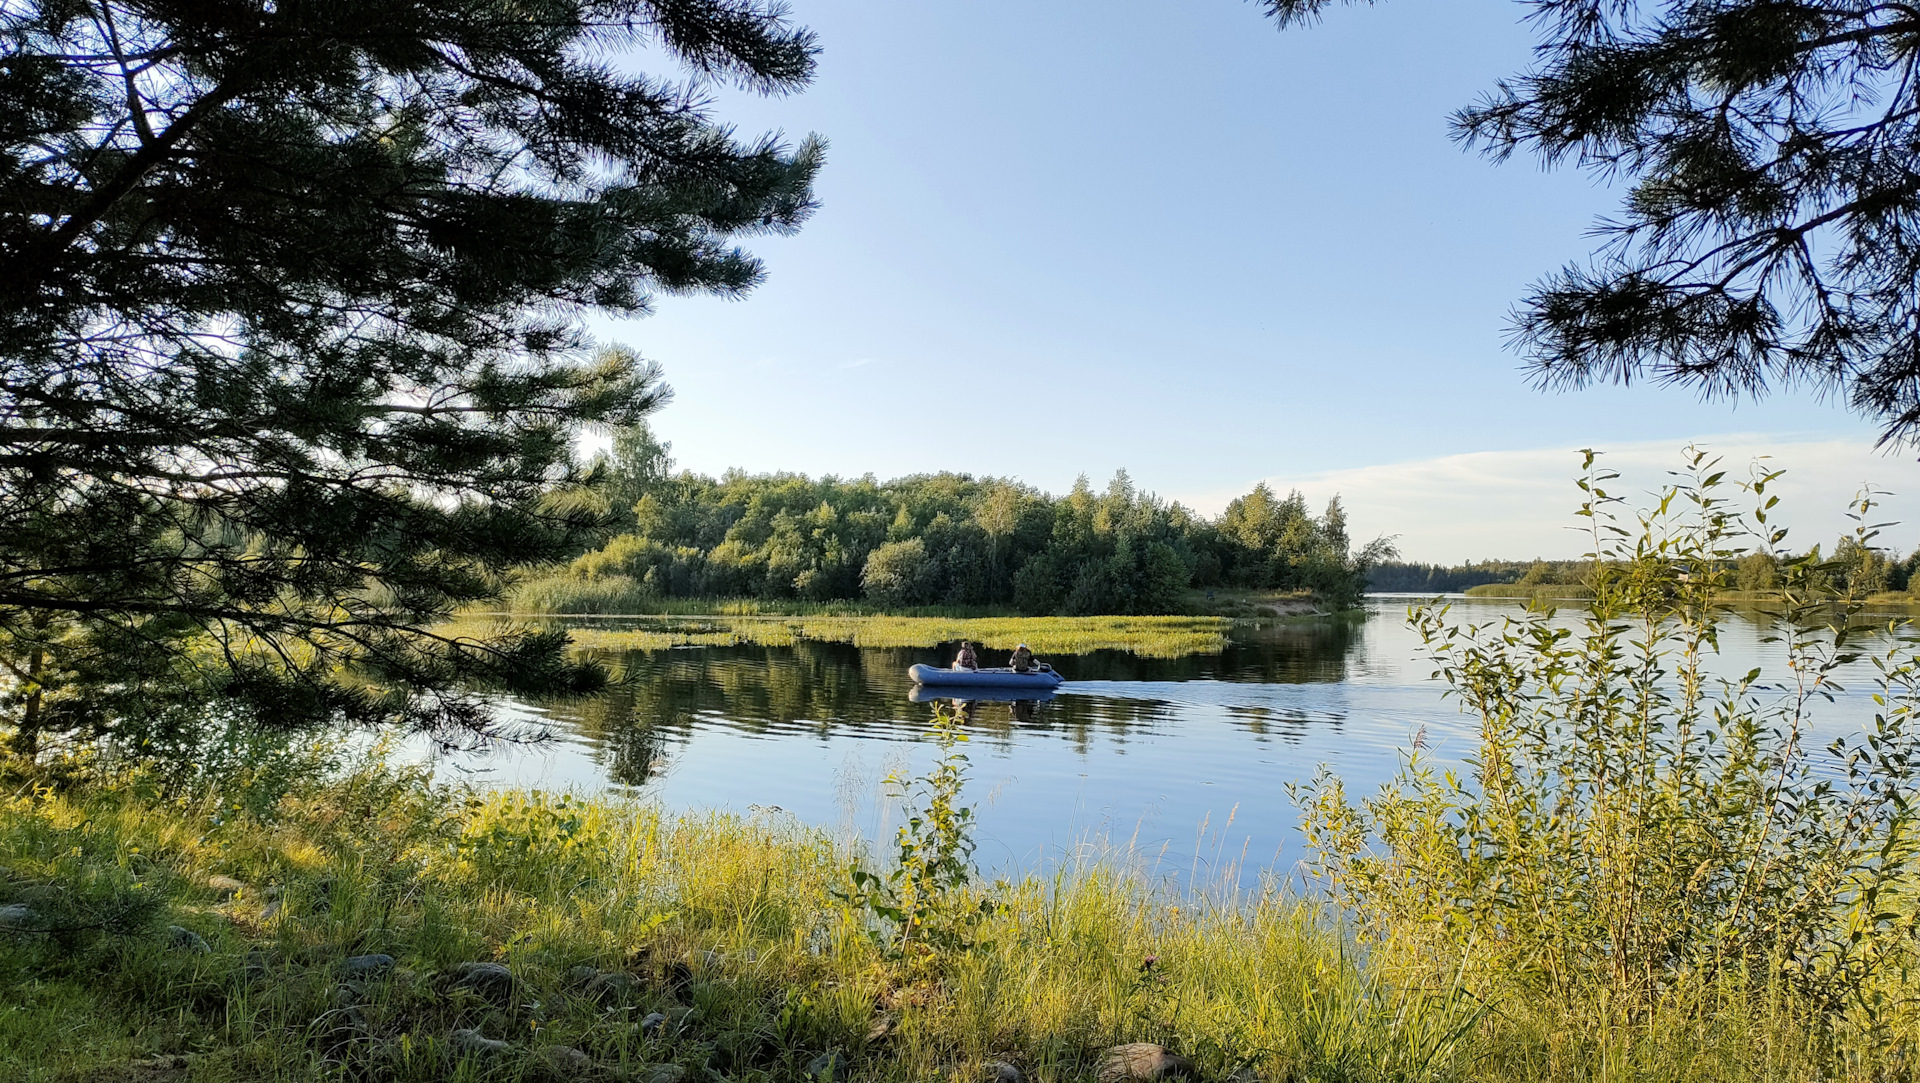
(1039, 680)
(980, 693)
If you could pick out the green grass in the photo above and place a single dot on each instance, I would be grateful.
(731, 926)
(1150, 637)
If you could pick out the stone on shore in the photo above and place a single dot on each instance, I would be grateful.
(226, 886)
(1000, 1071)
(474, 1044)
(493, 981)
(367, 966)
(1142, 1062)
(182, 939)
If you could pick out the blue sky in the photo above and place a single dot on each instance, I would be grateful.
(1072, 237)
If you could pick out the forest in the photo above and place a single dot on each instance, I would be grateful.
(944, 539)
(1851, 567)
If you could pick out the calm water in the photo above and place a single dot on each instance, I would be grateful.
(1186, 760)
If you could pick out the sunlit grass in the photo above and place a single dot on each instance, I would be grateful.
(731, 925)
(1149, 637)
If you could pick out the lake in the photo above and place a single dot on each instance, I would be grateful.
(1183, 761)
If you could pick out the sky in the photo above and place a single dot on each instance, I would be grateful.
(1076, 237)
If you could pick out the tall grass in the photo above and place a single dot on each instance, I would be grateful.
(731, 927)
(732, 918)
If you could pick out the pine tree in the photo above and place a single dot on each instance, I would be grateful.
(1771, 232)
(291, 343)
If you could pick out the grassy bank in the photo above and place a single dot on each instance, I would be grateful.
(1150, 637)
(604, 913)
(616, 595)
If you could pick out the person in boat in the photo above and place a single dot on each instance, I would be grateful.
(966, 658)
(1022, 660)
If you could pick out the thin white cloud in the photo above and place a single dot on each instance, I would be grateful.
(1519, 503)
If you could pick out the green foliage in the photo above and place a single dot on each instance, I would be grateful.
(951, 540)
(731, 926)
(926, 899)
(1635, 834)
(1768, 234)
(292, 329)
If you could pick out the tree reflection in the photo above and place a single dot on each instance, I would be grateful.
(660, 698)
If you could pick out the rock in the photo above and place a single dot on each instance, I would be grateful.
(273, 892)
(1246, 1074)
(19, 917)
(654, 1025)
(366, 966)
(471, 1043)
(187, 940)
(711, 960)
(225, 886)
(881, 1027)
(829, 1066)
(612, 985)
(565, 1058)
(1141, 1062)
(492, 981)
(349, 993)
(348, 1018)
(663, 1073)
(1000, 1071)
(51, 896)
(271, 911)
(579, 976)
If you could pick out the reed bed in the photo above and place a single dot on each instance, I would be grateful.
(1149, 637)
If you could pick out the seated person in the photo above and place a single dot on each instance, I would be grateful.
(965, 659)
(1022, 660)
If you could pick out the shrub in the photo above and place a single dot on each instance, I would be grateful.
(1634, 834)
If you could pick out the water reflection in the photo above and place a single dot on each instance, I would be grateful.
(1141, 750)
(835, 689)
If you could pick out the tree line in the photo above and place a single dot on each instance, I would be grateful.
(1852, 567)
(953, 540)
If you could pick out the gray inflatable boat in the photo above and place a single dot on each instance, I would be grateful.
(1039, 680)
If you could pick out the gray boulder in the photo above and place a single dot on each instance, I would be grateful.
(654, 1025)
(1142, 1062)
(492, 981)
(180, 939)
(612, 985)
(1000, 1071)
(366, 966)
(579, 976)
(565, 1058)
(225, 886)
(471, 1043)
(19, 917)
(828, 1066)
(663, 1073)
